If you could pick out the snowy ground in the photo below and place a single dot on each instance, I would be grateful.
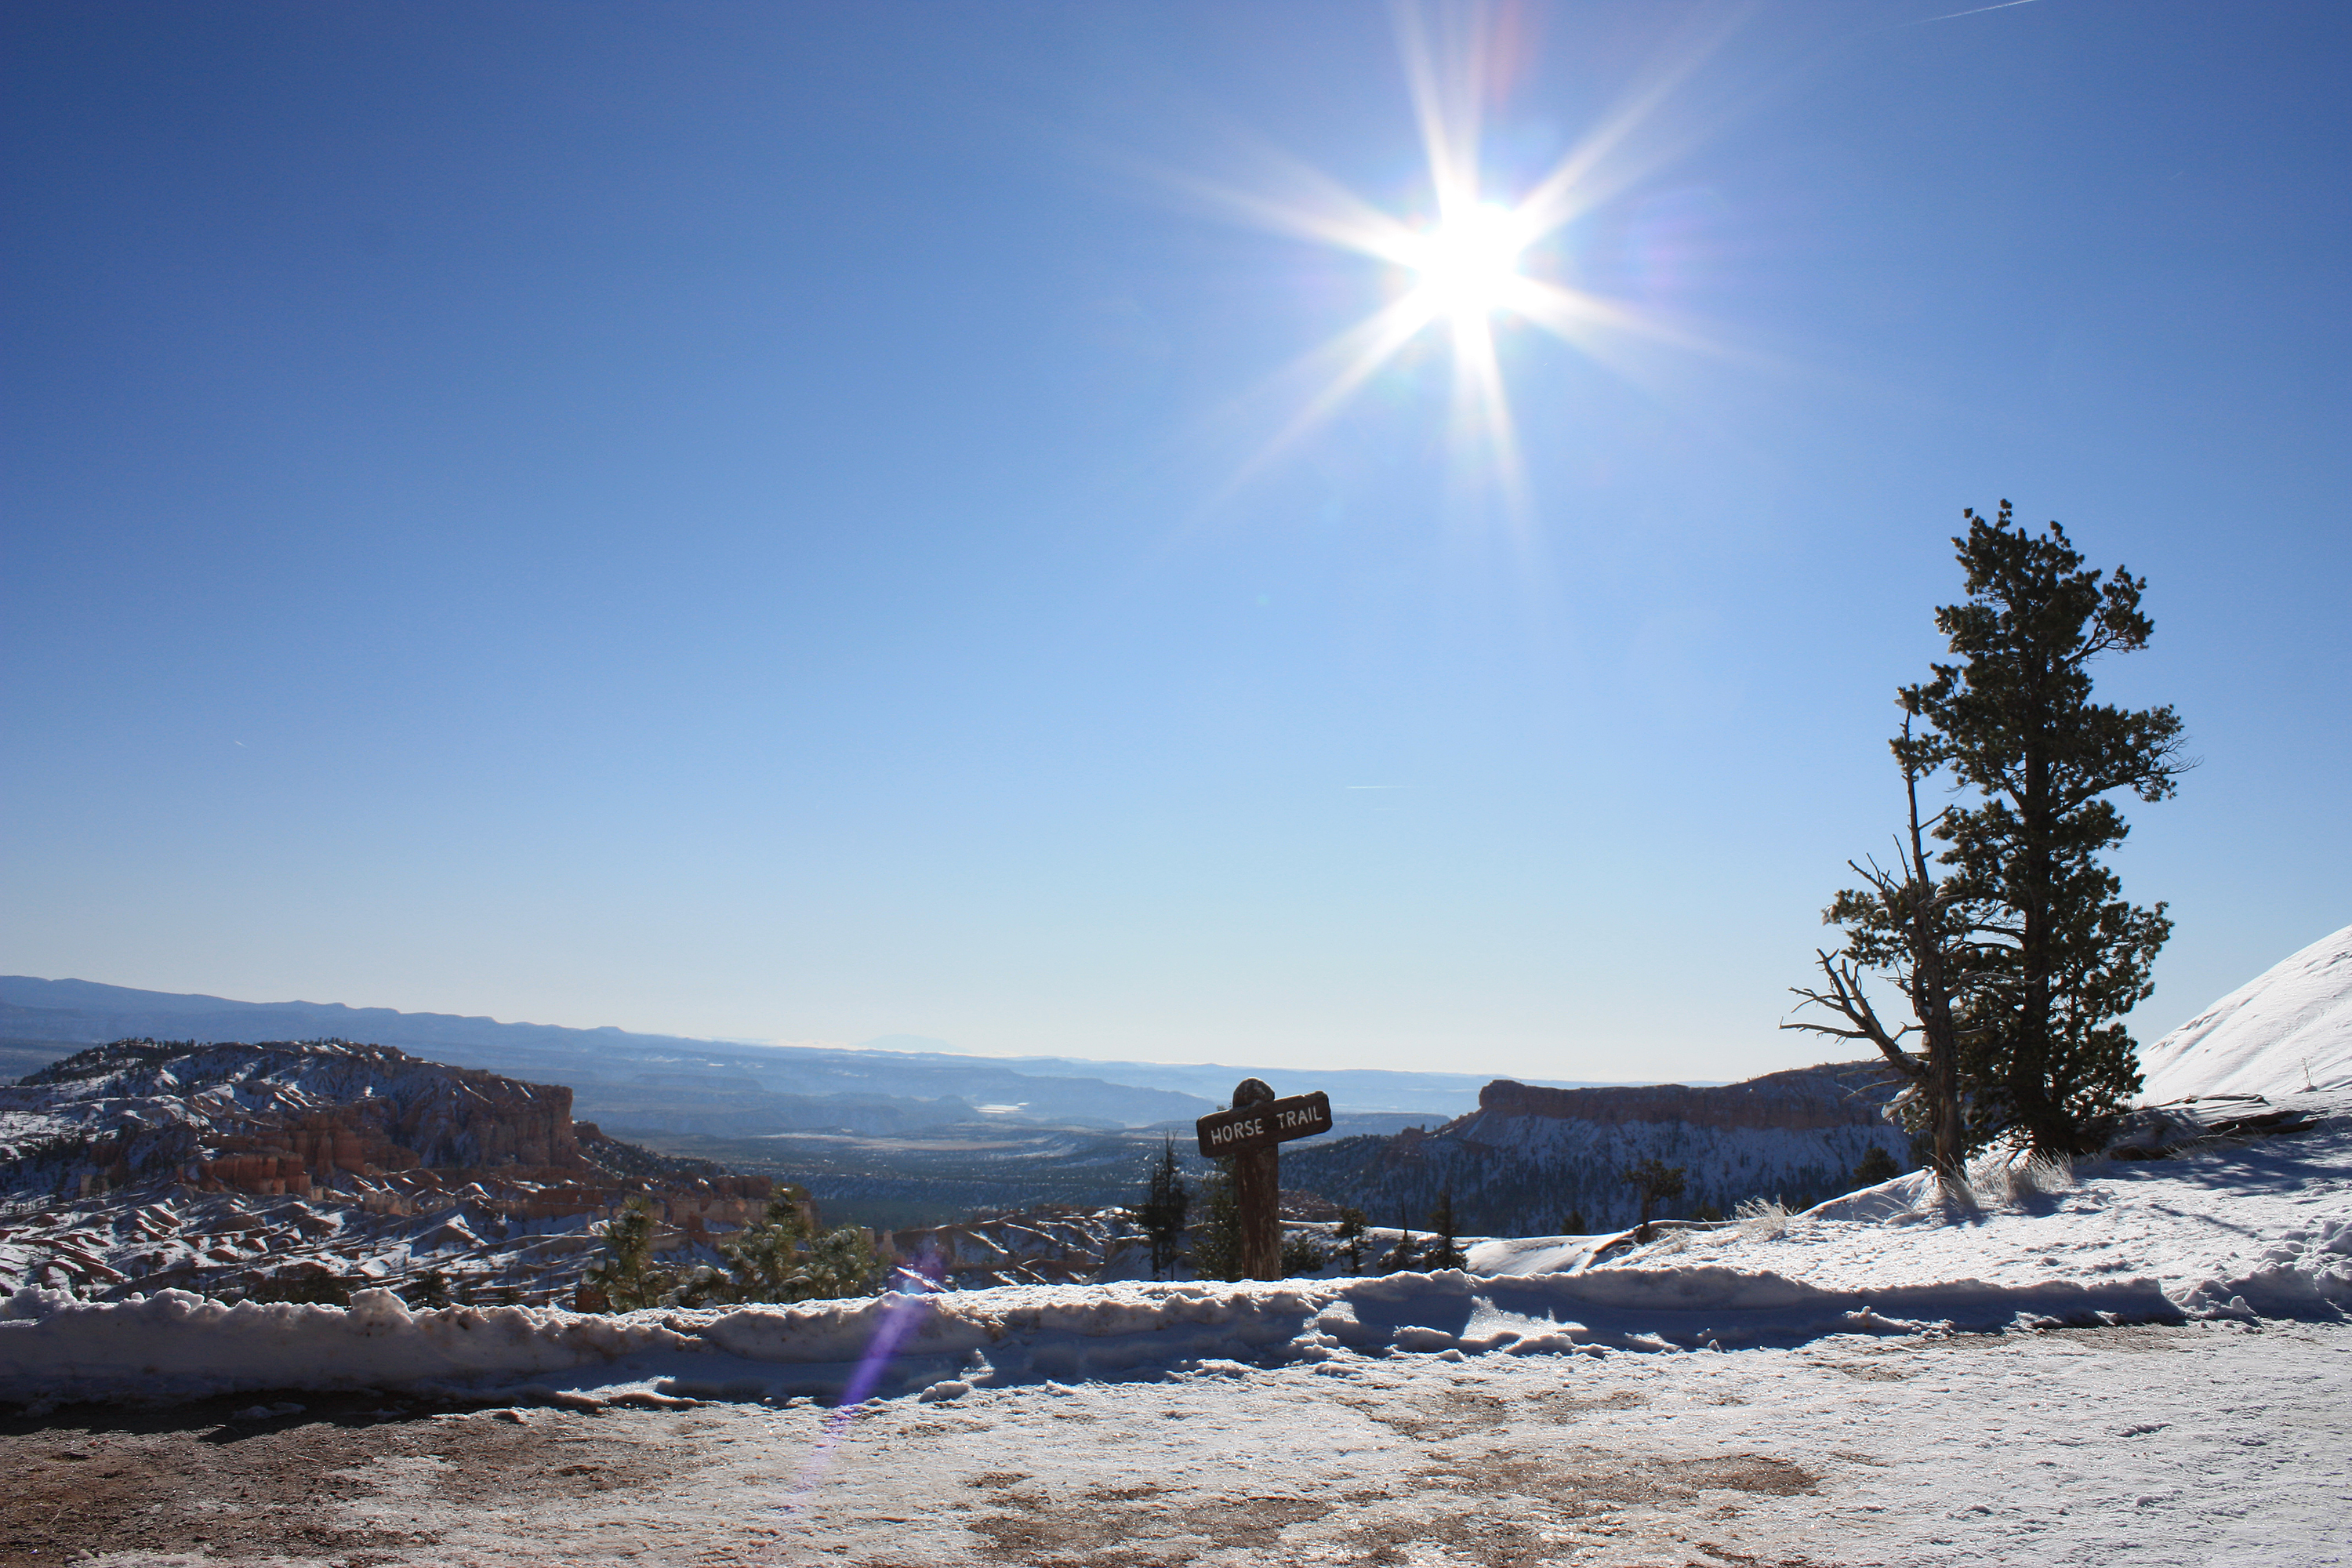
(2193, 1443)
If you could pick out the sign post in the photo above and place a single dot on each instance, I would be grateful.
(1251, 1134)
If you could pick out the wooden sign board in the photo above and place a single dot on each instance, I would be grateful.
(1249, 1128)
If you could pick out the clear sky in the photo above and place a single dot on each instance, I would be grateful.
(809, 522)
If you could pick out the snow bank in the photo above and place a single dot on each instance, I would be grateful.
(2287, 1030)
(2256, 1227)
(177, 1346)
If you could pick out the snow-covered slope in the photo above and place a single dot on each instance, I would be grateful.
(2286, 1030)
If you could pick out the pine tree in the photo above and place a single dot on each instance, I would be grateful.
(1217, 1239)
(1441, 1251)
(785, 1258)
(2015, 722)
(1656, 1180)
(1349, 1234)
(1574, 1224)
(429, 1291)
(1303, 1255)
(1166, 1204)
(626, 1277)
(1875, 1165)
(1407, 1254)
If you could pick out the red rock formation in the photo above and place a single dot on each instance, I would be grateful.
(372, 1123)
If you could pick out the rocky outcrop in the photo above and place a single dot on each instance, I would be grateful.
(1532, 1162)
(1836, 1094)
(145, 1164)
(318, 1116)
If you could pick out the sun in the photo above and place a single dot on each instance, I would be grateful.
(1469, 263)
(1467, 273)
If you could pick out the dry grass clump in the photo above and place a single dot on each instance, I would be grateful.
(2013, 1180)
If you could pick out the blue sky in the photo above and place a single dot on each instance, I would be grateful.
(767, 522)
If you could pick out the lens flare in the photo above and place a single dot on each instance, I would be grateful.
(903, 1308)
(1465, 271)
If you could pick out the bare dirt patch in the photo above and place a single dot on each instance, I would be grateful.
(1459, 1412)
(193, 1476)
(1121, 1528)
(1585, 1481)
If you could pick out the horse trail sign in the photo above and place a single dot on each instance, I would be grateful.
(1251, 1134)
(1265, 1124)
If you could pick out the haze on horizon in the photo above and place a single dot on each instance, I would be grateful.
(1065, 531)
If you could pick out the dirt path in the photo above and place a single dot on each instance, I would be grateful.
(2091, 1448)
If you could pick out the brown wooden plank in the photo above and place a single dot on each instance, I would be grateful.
(1265, 1124)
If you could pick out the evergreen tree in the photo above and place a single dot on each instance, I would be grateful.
(626, 1277)
(1656, 1180)
(1407, 1254)
(785, 1258)
(1349, 1234)
(1441, 1251)
(1303, 1255)
(1574, 1224)
(1166, 1204)
(1217, 1239)
(429, 1290)
(1875, 1166)
(2014, 720)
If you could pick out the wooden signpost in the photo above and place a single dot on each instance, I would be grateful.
(1252, 1133)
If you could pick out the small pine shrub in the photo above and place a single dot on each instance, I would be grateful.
(1349, 1232)
(1304, 1255)
(1876, 1165)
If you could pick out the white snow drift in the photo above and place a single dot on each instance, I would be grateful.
(2286, 1030)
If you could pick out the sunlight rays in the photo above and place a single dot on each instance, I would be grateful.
(1461, 269)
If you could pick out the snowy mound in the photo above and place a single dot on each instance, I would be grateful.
(2285, 1031)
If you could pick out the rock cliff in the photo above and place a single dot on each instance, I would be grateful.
(1535, 1162)
(326, 1151)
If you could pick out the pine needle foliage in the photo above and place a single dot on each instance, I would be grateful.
(1406, 1254)
(1349, 1234)
(2015, 722)
(1217, 1237)
(1656, 1180)
(626, 1277)
(1441, 1251)
(1167, 1203)
(783, 1256)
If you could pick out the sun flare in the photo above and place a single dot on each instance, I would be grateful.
(1472, 268)
(1469, 264)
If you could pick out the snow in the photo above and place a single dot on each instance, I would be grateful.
(2185, 1446)
(2249, 1229)
(2286, 1030)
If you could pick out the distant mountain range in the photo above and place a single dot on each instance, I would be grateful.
(678, 1085)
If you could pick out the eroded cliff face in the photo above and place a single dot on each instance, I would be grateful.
(321, 1116)
(1534, 1162)
(144, 1164)
(1837, 1094)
